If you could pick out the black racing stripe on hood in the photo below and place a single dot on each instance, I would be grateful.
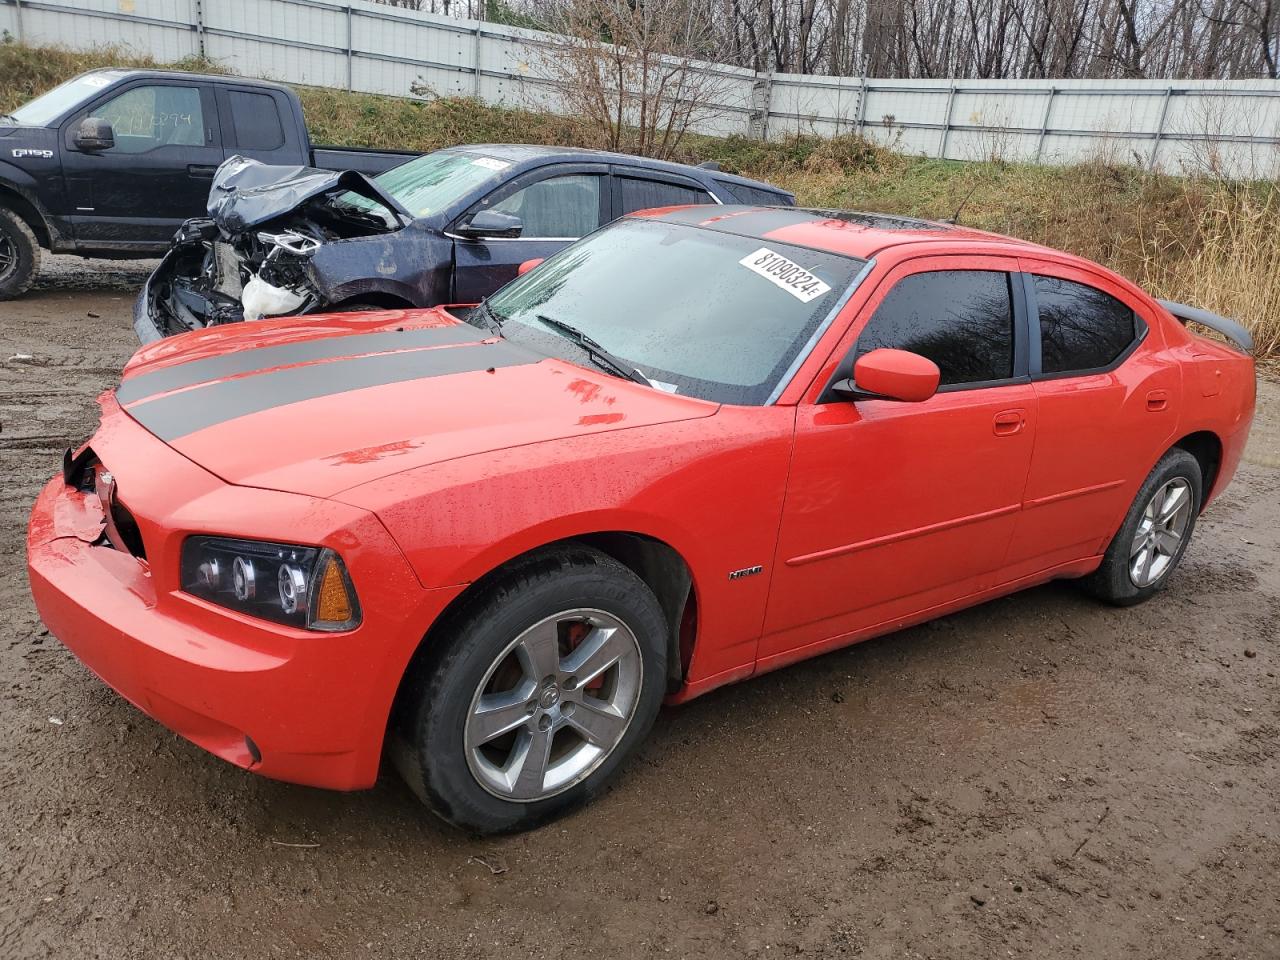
(179, 414)
(194, 372)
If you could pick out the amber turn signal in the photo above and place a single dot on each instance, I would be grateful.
(335, 602)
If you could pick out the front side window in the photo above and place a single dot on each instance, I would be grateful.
(147, 118)
(561, 208)
(962, 320)
(640, 194)
(698, 312)
(1081, 328)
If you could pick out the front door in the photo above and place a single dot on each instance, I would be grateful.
(167, 147)
(556, 206)
(894, 508)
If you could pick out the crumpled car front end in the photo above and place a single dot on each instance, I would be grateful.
(253, 256)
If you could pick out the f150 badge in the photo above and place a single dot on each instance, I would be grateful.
(31, 152)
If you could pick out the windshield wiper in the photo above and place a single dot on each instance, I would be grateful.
(602, 357)
(488, 316)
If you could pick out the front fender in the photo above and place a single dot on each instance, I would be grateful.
(709, 488)
(411, 264)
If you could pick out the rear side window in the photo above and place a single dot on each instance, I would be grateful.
(640, 194)
(766, 198)
(1081, 328)
(962, 320)
(256, 121)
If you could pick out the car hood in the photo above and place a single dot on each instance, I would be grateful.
(246, 193)
(323, 403)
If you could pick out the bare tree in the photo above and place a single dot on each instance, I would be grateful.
(632, 69)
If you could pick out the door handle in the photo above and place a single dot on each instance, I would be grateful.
(201, 171)
(1157, 400)
(1009, 422)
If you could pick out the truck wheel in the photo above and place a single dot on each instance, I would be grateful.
(543, 686)
(19, 255)
(1155, 533)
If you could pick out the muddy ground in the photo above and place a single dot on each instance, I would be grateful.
(1041, 776)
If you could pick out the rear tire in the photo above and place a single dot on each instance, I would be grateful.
(1150, 543)
(537, 690)
(19, 255)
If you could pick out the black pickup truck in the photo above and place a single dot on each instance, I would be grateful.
(111, 163)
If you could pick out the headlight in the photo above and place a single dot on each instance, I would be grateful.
(304, 587)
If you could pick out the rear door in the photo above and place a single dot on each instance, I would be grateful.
(557, 204)
(895, 508)
(1108, 410)
(167, 146)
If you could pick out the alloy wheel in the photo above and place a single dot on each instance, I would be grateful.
(1160, 532)
(553, 705)
(8, 256)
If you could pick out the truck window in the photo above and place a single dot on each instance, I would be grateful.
(150, 117)
(256, 120)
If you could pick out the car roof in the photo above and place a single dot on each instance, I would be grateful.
(525, 152)
(848, 232)
(125, 73)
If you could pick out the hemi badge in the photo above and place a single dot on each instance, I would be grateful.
(745, 572)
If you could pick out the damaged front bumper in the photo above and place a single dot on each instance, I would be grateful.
(290, 704)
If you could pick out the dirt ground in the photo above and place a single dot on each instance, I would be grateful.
(1040, 776)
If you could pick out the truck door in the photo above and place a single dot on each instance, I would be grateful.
(135, 194)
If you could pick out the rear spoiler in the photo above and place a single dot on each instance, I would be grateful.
(1230, 329)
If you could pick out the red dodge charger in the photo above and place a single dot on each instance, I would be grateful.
(699, 444)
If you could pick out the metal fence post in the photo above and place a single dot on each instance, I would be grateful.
(863, 90)
(761, 96)
(198, 26)
(475, 52)
(350, 49)
(946, 124)
(1044, 124)
(18, 19)
(1164, 112)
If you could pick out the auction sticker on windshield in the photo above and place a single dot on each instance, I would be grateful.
(790, 276)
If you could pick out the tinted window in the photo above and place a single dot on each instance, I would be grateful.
(146, 118)
(256, 121)
(1081, 328)
(563, 207)
(962, 320)
(766, 198)
(700, 313)
(640, 194)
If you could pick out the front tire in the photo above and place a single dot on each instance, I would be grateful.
(1150, 543)
(19, 255)
(542, 685)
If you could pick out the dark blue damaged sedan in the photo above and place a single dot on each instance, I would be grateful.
(449, 227)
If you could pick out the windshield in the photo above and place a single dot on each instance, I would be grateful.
(698, 312)
(428, 184)
(48, 107)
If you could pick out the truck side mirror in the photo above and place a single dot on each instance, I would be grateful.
(488, 224)
(95, 134)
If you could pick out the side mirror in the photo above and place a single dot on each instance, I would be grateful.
(892, 375)
(527, 266)
(489, 224)
(95, 134)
